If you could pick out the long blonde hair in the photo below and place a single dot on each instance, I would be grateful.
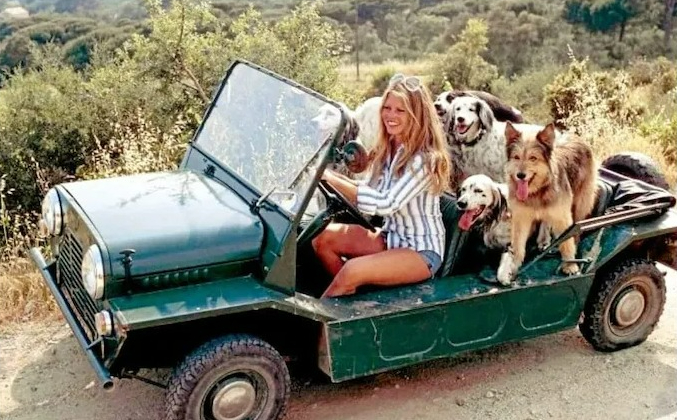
(424, 135)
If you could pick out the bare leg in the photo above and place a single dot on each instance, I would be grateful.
(343, 240)
(388, 268)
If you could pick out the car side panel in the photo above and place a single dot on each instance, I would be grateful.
(451, 325)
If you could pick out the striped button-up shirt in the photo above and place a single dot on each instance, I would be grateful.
(411, 213)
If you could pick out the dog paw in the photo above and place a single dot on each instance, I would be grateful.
(506, 269)
(570, 269)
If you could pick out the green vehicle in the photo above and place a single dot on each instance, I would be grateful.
(209, 270)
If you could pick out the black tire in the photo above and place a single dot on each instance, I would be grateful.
(637, 166)
(247, 367)
(637, 280)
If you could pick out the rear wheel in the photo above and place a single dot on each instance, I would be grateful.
(624, 305)
(234, 377)
(637, 166)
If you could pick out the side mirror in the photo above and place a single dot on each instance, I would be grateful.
(355, 156)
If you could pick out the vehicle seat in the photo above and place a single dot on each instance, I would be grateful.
(455, 238)
(616, 192)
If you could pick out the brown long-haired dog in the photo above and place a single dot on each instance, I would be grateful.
(547, 182)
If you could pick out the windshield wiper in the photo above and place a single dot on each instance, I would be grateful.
(256, 205)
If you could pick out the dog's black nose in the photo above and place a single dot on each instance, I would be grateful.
(460, 119)
(438, 107)
(461, 204)
(521, 175)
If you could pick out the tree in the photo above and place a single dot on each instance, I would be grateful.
(463, 65)
(602, 15)
(668, 18)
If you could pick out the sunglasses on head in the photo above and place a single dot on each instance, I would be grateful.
(412, 83)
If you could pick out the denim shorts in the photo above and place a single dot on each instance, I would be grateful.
(432, 259)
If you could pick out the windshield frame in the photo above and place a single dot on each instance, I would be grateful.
(322, 161)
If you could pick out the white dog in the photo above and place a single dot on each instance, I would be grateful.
(368, 118)
(481, 138)
(485, 207)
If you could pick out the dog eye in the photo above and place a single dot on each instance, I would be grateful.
(515, 157)
(533, 158)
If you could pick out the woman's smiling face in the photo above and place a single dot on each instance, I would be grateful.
(394, 115)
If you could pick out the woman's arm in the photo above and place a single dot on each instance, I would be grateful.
(343, 184)
(414, 180)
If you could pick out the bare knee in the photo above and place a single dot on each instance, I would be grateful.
(349, 274)
(324, 241)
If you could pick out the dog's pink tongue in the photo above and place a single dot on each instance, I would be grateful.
(522, 189)
(466, 220)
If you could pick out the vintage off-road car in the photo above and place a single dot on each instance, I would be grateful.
(208, 269)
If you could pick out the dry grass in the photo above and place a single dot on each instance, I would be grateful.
(23, 294)
(348, 72)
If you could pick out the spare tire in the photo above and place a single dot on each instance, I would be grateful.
(637, 166)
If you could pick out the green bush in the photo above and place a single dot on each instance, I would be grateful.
(379, 81)
(663, 131)
(463, 65)
(660, 73)
(579, 88)
(121, 114)
(526, 92)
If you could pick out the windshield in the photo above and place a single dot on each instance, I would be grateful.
(271, 133)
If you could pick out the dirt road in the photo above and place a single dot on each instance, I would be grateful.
(43, 375)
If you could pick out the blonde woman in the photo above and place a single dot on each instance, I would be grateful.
(409, 170)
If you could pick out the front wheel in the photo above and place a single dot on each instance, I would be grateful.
(624, 305)
(236, 377)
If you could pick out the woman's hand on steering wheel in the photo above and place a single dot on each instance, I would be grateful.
(334, 196)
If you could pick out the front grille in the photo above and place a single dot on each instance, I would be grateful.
(68, 276)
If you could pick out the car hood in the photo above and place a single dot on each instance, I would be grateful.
(173, 220)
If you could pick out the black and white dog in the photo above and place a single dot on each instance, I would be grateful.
(501, 111)
(485, 209)
(480, 137)
(484, 203)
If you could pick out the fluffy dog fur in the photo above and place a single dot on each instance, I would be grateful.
(368, 118)
(485, 209)
(479, 139)
(548, 182)
(327, 119)
(501, 111)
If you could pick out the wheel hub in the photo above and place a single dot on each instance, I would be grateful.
(234, 401)
(629, 308)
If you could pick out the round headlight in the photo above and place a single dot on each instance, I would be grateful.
(92, 272)
(52, 217)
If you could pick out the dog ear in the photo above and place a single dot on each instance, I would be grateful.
(451, 117)
(547, 136)
(453, 94)
(497, 196)
(511, 134)
(486, 114)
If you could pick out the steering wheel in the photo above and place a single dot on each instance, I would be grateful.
(337, 203)
(336, 199)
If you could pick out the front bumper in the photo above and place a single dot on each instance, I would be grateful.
(48, 274)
